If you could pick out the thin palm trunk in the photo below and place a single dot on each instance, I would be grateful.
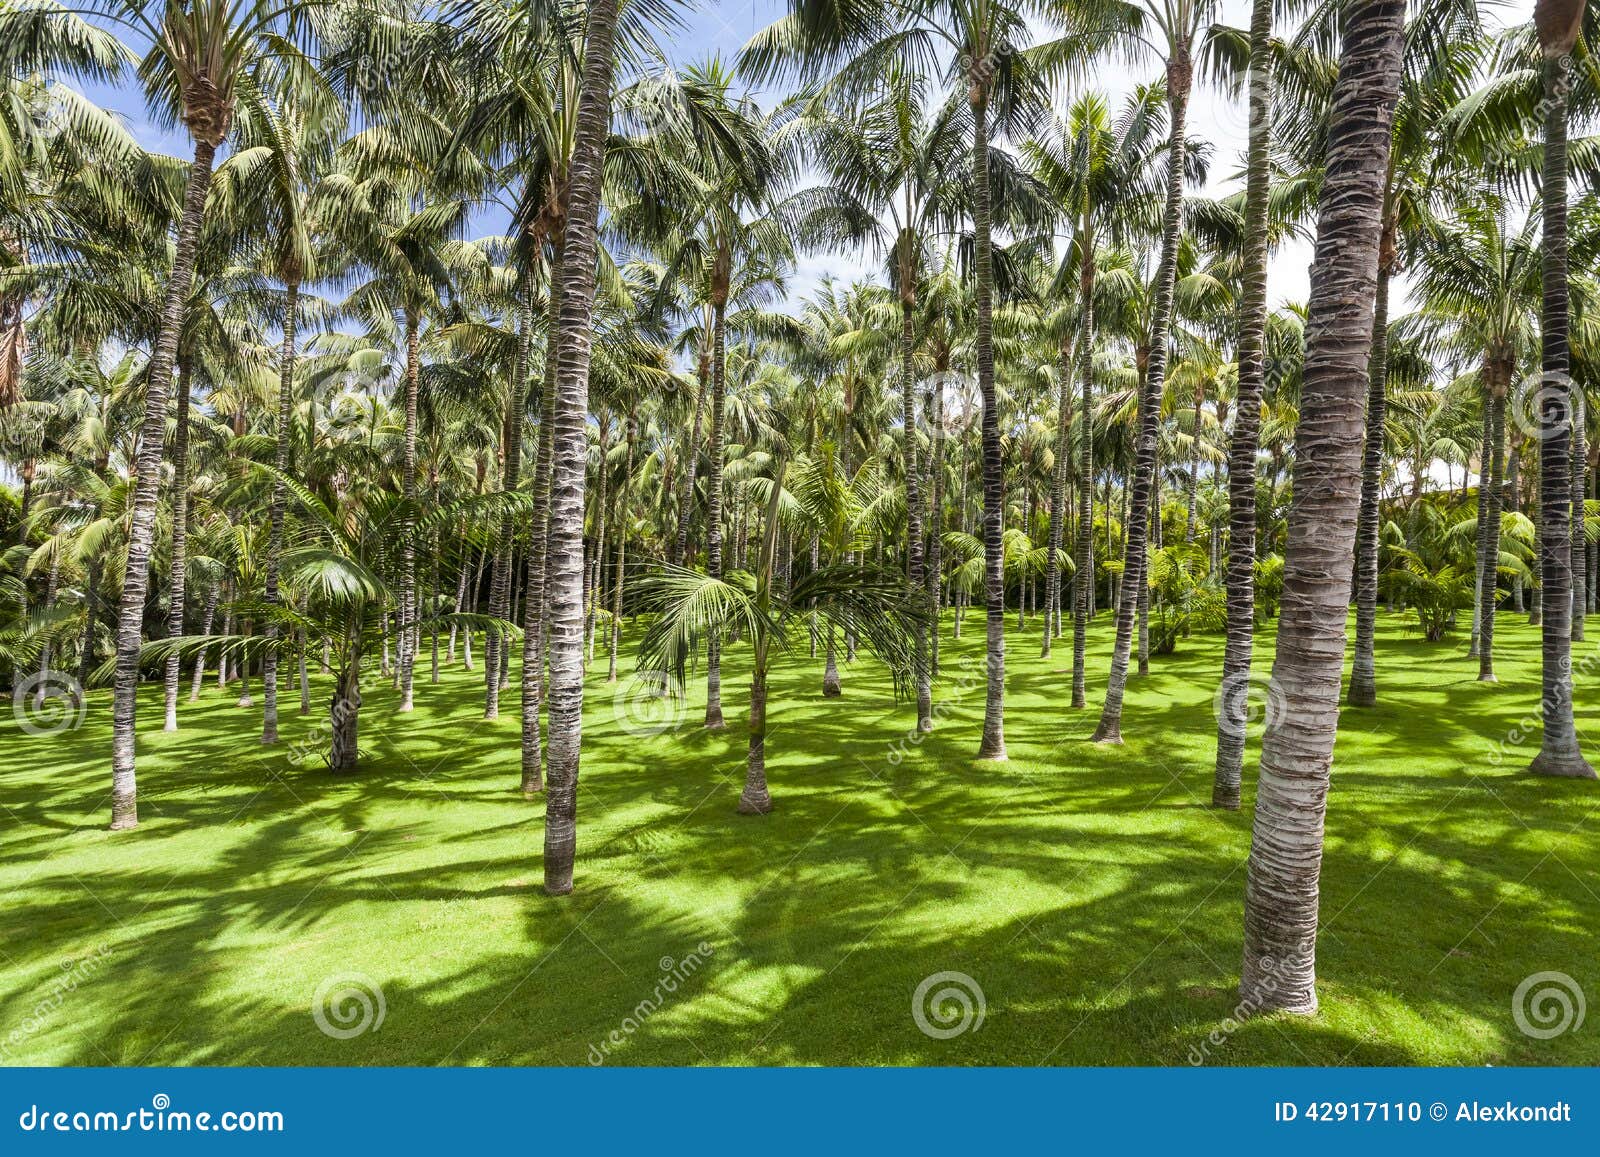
(495, 646)
(407, 640)
(1491, 496)
(147, 493)
(1137, 526)
(993, 744)
(1058, 502)
(575, 336)
(714, 509)
(1580, 548)
(180, 541)
(914, 556)
(1083, 582)
(622, 550)
(1242, 449)
(1281, 892)
(269, 657)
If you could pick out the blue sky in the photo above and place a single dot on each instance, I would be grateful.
(714, 28)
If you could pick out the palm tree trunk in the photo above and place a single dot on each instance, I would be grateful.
(269, 658)
(496, 647)
(993, 744)
(691, 454)
(575, 335)
(180, 541)
(719, 360)
(755, 799)
(1058, 502)
(147, 492)
(408, 548)
(622, 549)
(934, 567)
(1136, 528)
(914, 544)
(1559, 753)
(1580, 549)
(1281, 892)
(1364, 673)
(52, 588)
(1083, 582)
(1242, 448)
(344, 715)
(1481, 543)
(207, 619)
(1491, 497)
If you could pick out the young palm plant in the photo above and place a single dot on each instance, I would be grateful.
(859, 599)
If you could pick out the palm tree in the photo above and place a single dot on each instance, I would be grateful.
(1244, 442)
(1178, 23)
(1558, 23)
(1280, 923)
(858, 599)
(196, 54)
(570, 408)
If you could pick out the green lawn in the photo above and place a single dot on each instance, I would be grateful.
(1089, 891)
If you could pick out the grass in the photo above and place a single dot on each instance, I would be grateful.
(1089, 891)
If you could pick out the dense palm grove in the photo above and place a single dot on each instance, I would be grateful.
(466, 336)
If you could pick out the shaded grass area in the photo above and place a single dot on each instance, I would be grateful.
(1089, 891)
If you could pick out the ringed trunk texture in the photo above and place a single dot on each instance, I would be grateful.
(914, 556)
(993, 744)
(269, 657)
(574, 338)
(180, 542)
(1492, 498)
(1083, 581)
(1241, 581)
(1137, 527)
(1281, 892)
(1058, 504)
(755, 800)
(719, 365)
(1364, 670)
(147, 492)
(1559, 753)
(408, 546)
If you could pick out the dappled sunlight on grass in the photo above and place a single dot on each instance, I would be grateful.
(1088, 890)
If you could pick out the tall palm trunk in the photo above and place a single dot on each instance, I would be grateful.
(1364, 671)
(1492, 499)
(575, 336)
(719, 363)
(495, 645)
(935, 559)
(1580, 546)
(269, 657)
(408, 486)
(1058, 501)
(534, 617)
(1242, 448)
(691, 455)
(1280, 921)
(914, 556)
(206, 620)
(147, 490)
(622, 549)
(1083, 583)
(1559, 754)
(993, 744)
(1137, 528)
(180, 541)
